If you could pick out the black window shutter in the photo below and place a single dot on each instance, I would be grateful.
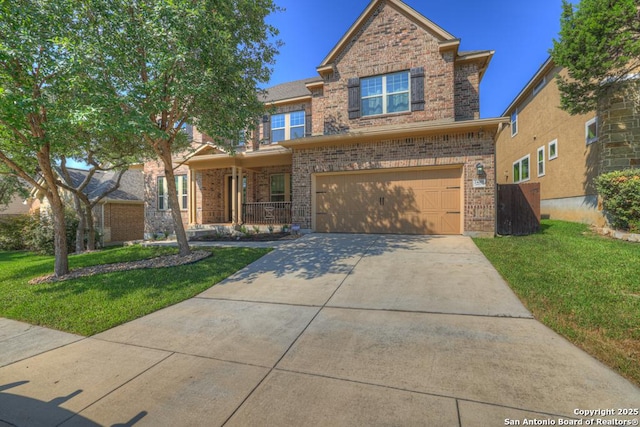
(308, 125)
(353, 86)
(417, 89)
(266, 129)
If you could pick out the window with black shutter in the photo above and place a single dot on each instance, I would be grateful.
(266, 129)
(353, 85)
(417, 89)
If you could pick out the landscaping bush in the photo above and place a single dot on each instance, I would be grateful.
(620, 192)
(34, 233)
(12, 231)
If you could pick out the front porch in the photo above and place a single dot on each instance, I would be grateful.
(251, 189)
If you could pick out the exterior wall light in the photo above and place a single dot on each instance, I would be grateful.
(480, 169)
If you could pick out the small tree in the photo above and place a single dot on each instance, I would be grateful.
(599, 45)
(182, 62)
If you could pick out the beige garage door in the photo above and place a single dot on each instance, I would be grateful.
(401, 202)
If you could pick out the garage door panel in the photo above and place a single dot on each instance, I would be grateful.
(407, 202)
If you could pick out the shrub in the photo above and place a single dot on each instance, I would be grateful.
(620, 192)
(35, 233)
(12, 232)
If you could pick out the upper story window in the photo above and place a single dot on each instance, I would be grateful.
(242, 138)
(163, 192)
(287, 126)
(514, 123)
(385, 94)
(539, 85)
(591, 131)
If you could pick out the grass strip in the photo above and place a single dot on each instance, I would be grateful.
(93, 304)
(583, 286)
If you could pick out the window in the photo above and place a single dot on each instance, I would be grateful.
(540, 85)
(163, 193)
(242, 138)
(553, 149)
(514, 123)
(385, 94)
(521, 170)
(591, 131)
(287, 126)
(541, 164)
(280, 187)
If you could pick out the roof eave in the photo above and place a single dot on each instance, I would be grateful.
(396, 131)
(544, 69)
(348, 36)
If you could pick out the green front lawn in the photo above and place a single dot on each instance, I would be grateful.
(89, 305)
(583, 286)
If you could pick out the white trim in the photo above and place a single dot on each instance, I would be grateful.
(588, 140)
(539, 162)
(519, 162)
(538, 87)
(287, 126)
(385, 95)
(554, 142)
(180, 184)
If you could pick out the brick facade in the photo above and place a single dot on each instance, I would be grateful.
(389, 38)
(155, 220)
(388, 42)
(465, 149)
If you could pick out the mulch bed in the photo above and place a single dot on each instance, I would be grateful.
(256, 237)
(157, 262)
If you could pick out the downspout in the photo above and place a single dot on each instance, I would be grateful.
(102, 224)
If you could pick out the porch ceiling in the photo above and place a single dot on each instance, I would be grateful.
(277, 156)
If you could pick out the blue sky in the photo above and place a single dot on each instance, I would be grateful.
(520, 32)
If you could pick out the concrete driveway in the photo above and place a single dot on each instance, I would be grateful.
(326, 330)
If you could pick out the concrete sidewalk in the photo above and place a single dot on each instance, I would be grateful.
(325, 330)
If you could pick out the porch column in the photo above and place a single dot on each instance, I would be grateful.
(191, 197)
(234, 196)
(239, 195)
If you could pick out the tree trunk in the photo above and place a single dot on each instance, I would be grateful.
(57, 210)
(91, 229)
(81, 224)
(181, 235)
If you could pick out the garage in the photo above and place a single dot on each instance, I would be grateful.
(400, 201)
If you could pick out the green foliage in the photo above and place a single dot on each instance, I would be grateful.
(35, 233)
(620, 191)
(12, 232)
(11, 186)
(599, 45)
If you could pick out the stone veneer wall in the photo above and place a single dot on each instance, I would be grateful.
(465, 149)
(619, 121)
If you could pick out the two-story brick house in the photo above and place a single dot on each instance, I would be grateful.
(385, 139)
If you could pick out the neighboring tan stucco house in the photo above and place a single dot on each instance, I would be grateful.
(386, 138)
(564, 153)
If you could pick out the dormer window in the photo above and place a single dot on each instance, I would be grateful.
(385, 94)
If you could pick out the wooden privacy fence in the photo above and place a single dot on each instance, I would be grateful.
(518, 209)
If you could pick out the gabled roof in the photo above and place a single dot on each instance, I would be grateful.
(289, 90)
(412, 14)
(131, 185)
(546, 66)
